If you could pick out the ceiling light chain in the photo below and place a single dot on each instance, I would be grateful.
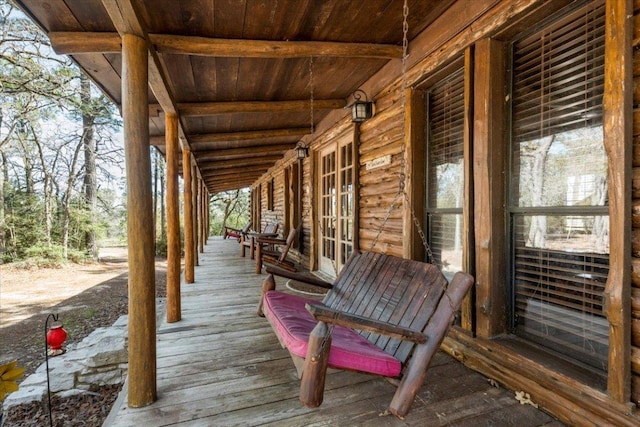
(311, 93)
(403, 94)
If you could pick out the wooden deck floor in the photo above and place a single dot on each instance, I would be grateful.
(222, 366)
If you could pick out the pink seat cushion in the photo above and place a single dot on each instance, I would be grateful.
(293, 324)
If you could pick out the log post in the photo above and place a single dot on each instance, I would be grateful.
(252, 248)
(205, 216)
(173, 220)
(142, 299)
(468, 238)
(200, 215)
(189, 265)
(194, 212)
(488, 187)
(269, 284)
(315, 366)
(258, 254)
(618, 142)
(414, 151)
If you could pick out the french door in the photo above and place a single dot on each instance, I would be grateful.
(336, 205)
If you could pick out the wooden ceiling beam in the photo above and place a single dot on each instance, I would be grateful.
(237, 179)
(233, 179)
(126, 18)
(212, 141)
(244, 151)
(76, 43)
(248, 157)
(198, 109)
(227, 173)
(233, 48)
(220, 188)
(249, 135)
(243, 162)
(79, 42)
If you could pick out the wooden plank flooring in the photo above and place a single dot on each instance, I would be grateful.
(221, 365)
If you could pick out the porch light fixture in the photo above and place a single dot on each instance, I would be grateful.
(302, 151)
(361, 110)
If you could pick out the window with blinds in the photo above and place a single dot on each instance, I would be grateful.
(445, 172)
(558, 197)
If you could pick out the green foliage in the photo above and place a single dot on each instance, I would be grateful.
(229, 208)
(45, 106)
(45, 256)
(23, 224)
(51, 256)
(161, 248)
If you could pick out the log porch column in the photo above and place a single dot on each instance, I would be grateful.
(194, 214)
(618, 142)
(189, 265)
(489, 193)
(173, 220)
(142, 298)
(201, 198)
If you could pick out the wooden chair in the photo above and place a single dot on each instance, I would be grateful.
(402, 308)
(248, 239)
(236, 232)
(272, 255)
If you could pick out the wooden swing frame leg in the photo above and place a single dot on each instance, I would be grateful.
(269, 284)
(315, 366)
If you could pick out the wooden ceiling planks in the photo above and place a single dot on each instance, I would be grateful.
(281, 30)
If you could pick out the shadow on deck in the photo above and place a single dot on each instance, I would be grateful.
(221, 365)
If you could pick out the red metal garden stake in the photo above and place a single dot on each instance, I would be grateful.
(54, 338)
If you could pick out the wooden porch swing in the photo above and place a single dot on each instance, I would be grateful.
(402, 308)
(383, 315)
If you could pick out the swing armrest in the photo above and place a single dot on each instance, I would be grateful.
(300, 277)
(328, 315)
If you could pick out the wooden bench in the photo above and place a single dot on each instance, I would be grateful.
(383, 315)
(248, 240)
(236, 233)
(275, 256)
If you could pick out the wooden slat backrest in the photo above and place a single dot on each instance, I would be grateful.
(271, 228)
(388, 288)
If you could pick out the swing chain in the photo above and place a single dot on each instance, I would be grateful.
(403, 103)
(401, 174)
(311, 118)
(423, 236)
(403, 93)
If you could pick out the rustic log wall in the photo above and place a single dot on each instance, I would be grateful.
(567, 398)
(379, 137)
(635, 278)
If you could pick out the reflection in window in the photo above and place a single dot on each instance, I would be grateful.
(445, 172)
(558, 200)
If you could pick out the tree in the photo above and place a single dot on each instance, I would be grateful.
(90, 178)
(57, 140)
(229, 208)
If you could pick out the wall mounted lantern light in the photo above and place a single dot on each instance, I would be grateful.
(361, 109)
(302, 151)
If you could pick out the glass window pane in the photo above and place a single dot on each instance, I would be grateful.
(445, 240)
(559, 285)
(445, 105)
